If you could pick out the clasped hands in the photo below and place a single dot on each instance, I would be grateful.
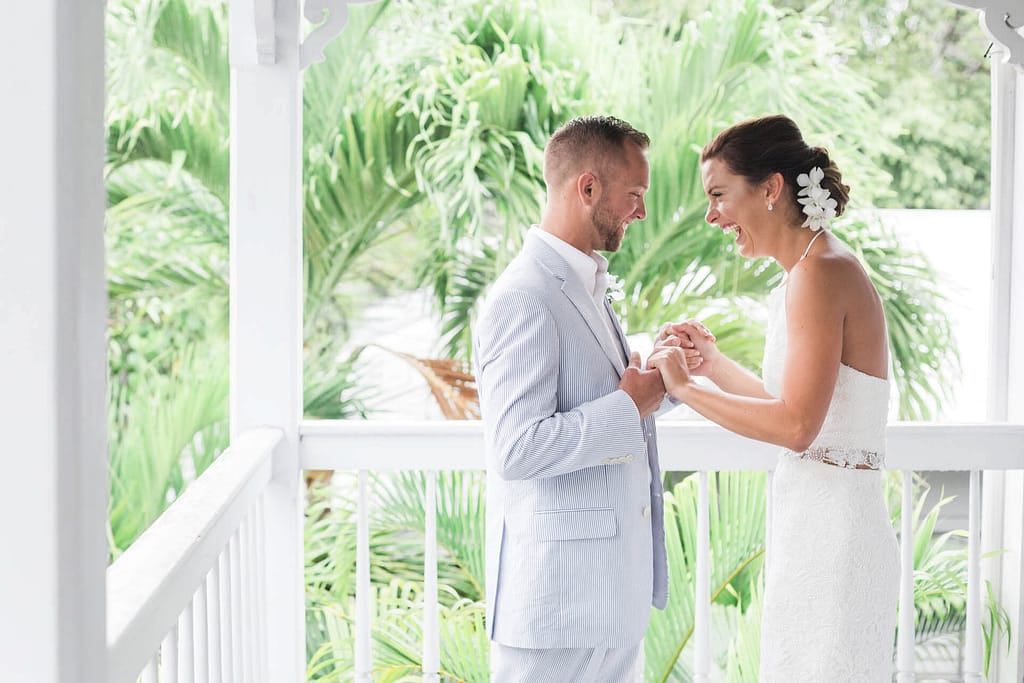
(681, 349)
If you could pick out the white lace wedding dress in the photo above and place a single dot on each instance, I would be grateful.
(833, 568)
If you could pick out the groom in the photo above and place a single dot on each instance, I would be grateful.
(575, 537)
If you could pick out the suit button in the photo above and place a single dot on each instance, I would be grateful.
(646, 511)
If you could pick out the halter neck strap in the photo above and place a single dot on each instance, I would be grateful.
(809, 244)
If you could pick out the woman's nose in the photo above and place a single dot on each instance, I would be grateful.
(711, 216)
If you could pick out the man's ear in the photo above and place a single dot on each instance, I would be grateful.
(588, 188)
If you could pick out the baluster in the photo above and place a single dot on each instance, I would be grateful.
(362, 648)
(702, 594)
(213, 634)
(262, 621)
(905, 643)
(431, 643)
(245, 576)
(227, 617)
(186, 654)
(200, 636)
(235, 584)
(169, 656)
(149, 674)
(972, 647)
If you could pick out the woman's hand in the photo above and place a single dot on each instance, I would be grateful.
(671, 362)
(692, 334)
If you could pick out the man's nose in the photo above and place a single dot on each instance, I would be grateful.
(641, 211)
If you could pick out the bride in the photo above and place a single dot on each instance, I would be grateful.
(833, 571)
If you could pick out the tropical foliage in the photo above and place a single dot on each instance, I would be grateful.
(423, 134)
(736, 529)
(940, 159)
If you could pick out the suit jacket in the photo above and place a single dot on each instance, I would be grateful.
(575, 534)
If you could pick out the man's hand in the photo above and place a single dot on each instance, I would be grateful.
(696, 340)
(671, 362)
(645, 387)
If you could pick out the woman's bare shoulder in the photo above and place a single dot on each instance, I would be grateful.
(836, 265)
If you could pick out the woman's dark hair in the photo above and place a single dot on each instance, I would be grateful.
(757, 148)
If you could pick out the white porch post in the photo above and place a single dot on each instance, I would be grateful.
(53, 496)
(1003, 498)
(266, 293)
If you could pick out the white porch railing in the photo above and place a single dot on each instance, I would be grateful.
(184, 603)
(684, 446)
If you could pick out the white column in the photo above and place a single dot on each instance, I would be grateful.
(266, 299)
(52, 348)
(1003, 497)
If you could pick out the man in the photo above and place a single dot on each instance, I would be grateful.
(575, 536)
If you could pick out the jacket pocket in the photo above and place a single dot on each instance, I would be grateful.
(573, 525)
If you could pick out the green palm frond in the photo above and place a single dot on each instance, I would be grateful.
(167, 237)
(940, 574)
(460, 523)
(168, 93)
(742, 656)
(736, 504)
(333, 391)
(397, 633)
(459, 279)
(165, 434)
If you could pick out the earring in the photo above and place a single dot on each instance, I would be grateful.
(770, 206)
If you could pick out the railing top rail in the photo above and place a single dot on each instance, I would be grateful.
(683, 446)
(149, 585)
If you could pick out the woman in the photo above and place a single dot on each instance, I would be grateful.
(833, 570)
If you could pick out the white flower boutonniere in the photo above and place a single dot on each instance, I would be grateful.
(615, 291)
(819, 207)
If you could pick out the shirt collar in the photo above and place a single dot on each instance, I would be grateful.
(585, 266)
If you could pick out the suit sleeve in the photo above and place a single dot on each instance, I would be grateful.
(518, 380)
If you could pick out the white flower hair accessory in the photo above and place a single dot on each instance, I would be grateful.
(819, 207)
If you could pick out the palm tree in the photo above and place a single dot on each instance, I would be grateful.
(682, 82)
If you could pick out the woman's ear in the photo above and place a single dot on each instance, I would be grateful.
(773, 187)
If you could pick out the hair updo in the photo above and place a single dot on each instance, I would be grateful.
(756, 148)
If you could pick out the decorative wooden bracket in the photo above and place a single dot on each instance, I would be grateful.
(331, 17)
(1002, 20)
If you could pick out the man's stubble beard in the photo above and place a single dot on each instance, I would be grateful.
(607, 228)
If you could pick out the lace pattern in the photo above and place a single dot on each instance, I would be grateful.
(849, 458)
(833, 566)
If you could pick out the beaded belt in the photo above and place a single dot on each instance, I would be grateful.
(848, 458)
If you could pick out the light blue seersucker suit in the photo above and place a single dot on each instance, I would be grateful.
(575, 535)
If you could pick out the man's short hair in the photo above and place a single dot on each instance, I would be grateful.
(588, 141)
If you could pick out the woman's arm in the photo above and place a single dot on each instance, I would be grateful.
(815, 338)
(727, 374)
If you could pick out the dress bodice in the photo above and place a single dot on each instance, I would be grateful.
(853, 433)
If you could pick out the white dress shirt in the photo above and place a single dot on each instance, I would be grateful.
(592, 271)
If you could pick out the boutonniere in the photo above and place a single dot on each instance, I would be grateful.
(614, 291)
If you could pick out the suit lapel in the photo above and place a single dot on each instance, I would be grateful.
(584, 303)
(581, 300)
(619, 334)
